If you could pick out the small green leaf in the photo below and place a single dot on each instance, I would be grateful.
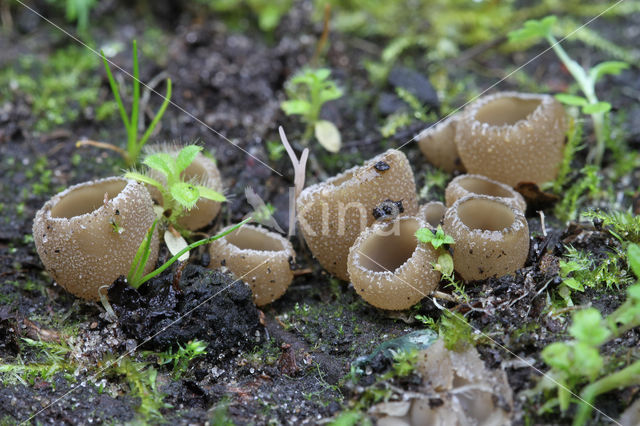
(446, 263)
(599, 107)
(329, 93)
(186, 194)
(210, 194)
(533, 29)
(142, 178)
(296, 107)
(161, 162)
(588, 358)
(556, 355)
(607, 68)
(571, 99)
(321, 73)
(634, 292)
(328, 135)
(186, 157)
(573, 283)
(424, 235)
(587, 327)
(633, 257)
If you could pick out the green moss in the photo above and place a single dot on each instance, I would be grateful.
(58, 88)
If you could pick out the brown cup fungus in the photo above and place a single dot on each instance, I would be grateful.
(491, 237)
(481, 185)
(88, 235)
(203, 171)
(390, 268)
(512, 137)
(333, 213)
(259, 258)
(437, 143)
(432, 213)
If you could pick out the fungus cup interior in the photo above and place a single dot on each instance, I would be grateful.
(433, 213)
(480, 186)
(486, 215)
(506, 111)
(389, 248)
(251, 239)
(86, 199)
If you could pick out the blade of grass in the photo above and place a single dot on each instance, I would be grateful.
(132, 145)
(144, 247)
(186, 249)
(116, 92)
(158, 116)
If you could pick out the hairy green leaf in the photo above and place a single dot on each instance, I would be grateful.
(210, 194)
(633, 256)
(161, 162)
(296, 107)
(142, 178)
(186, 194)
(186, 156)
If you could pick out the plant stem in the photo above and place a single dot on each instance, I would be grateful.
(626, 377)
(186, 249)
(132, 145)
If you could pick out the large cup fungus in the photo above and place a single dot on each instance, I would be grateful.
(390, 268)
(481, 185)
(333, 213)
(88, 235)
(512, 137)
(258, 257)
(437, 143)
(202, 170)
(491, 237)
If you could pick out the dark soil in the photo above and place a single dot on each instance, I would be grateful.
(289, 362)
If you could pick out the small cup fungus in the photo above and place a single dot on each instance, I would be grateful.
(202, 170)
(492, 237)
(259, 258)
(390, 268)
(432, 213)
(88, 235)
(437, 143)
(333, 213)
(481, 185)
(512, 137)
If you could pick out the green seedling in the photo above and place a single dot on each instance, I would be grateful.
(178, 196)
(401, 119)
(585, 78)
(623, 225)
(439, 240)
(590, 331)
(307, 91)
(135, 278)
(134, 141)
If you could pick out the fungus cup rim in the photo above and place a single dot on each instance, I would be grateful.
(519, 220)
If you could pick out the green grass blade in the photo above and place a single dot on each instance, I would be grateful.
(143, 252)
(116, 92)
(158, 116)
(190, 247)
(132, 145)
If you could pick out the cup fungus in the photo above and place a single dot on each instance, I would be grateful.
(258, 257)
(512, 137)
(492, 237)
(88, 235)
(437, 143)
(432, 213)
(390, 268)
(333, 213)
(202, 170)
(481, 185)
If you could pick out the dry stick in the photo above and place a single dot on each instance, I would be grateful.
(103, 145)
(325, 34)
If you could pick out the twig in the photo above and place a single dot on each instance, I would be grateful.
(103, 145)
